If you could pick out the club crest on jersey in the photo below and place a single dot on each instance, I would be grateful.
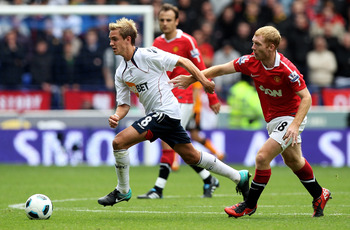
(136, 89)
(175, 49)
(294, 77)
(243, 59)
(277, 79)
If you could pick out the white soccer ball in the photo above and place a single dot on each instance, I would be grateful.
(38, 207)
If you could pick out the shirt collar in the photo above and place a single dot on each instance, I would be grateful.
(277, 61)
(178, 35)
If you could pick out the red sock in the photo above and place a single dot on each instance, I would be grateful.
(305, 173)
(168, 156)
(262, 176)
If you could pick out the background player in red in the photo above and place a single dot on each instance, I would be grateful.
(177, 42)
(285, 101)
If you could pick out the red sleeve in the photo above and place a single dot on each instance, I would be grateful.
(194, 54)
(213, 98)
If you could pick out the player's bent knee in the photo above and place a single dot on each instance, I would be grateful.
(118, 144)
(261, 160)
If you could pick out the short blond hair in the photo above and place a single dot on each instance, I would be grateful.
(270, 35)
(127, 27)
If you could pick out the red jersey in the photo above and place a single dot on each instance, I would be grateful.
(276, 86)
(186, 46)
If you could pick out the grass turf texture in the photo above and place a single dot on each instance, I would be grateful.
(74, 191)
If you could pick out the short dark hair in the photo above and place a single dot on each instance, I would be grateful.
(167, 7)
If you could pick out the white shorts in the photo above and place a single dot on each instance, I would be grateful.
(277, 128)
(186, 113)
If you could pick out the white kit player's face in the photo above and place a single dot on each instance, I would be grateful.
(117, 42)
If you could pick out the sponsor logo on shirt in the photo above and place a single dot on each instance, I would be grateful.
(136, 89)
(272, 93)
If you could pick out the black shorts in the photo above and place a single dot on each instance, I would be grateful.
(160, 125)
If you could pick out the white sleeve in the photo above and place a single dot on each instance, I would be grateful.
(122, 91)
(164, 59)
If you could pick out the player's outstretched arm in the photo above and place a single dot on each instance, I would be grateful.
(219, 70)
(208, 86)
(183, 81)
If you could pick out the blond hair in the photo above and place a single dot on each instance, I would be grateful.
(127, 27)
(270, 35)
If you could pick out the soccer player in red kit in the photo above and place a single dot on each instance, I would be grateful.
(285, 101)
(177, 42)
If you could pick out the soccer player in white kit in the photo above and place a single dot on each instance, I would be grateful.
(285, 101)
(143, 72)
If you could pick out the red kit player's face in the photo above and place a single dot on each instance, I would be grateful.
(167, 22)
(259, 48)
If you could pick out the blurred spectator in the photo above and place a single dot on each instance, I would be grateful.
(75, 42)
(204, 47)
(110, 64)
(297, 7)
(254, 17)
(206, 13)
(89, 63)
(283, 48)
(322, 64)
(225, 27)
(223, 84)
(207, 29)
(12, 61)
(157, 4)
(300, 42)
(64, 67)
(239, 7)
(243, 40)
(328, 17)
(279, 18)
(245, 109)
(188, 15)
(343, 58)
(41, 66)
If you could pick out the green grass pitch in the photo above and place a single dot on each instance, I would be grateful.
(74, 191)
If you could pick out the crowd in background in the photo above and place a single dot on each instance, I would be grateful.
(71, 52)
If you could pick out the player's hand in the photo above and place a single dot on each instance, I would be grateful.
(113, 121)
(208, 86)
(292, 134)
(216, 108)
(182, 81)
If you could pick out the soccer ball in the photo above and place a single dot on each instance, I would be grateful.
(38, 207)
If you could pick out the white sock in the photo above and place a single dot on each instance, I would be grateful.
(122, 165)
(204, 174)
(211, 163)
(160, 182)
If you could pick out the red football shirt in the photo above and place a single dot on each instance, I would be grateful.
(186, 46)
(276, 86)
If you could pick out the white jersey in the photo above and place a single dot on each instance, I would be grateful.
(145, 75)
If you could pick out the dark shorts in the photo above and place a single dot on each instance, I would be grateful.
(160, 125)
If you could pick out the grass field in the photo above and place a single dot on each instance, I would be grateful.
(284, 204)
